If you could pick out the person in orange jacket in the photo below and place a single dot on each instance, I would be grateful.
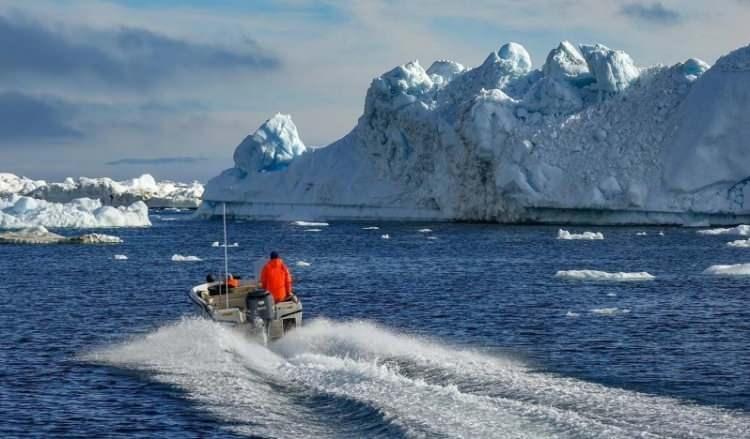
(275, 278)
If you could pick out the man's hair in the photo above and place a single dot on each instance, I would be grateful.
(274, 255)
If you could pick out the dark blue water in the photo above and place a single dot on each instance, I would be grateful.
(473, 321)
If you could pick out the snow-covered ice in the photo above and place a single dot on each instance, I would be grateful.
(21, 212)
(587, 137)
(740, 243)
(603, 275)
(120, 258)
(40, 235)
(385, 236)
(741, 230)
(303, 264)
(566, 235)
(729, 270)
(181, 258)
(114, 193)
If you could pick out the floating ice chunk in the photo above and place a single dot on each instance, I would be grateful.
(310, 224)
(661, 233)
(609, 311)
(181, 258)
(385, 236)
(32, 235)
(729, 270)
(99, 238)
(571, 314)
(741, 230)
(303, 264)
(641, 234)
(121, 258)
(564, 234)
(271, 147)
(432, 237)
(611, 294)
(18, 212)
(371, 228)
(603, 275)
(740, 243)
(313, 230)
(215, 244)
(424, 230)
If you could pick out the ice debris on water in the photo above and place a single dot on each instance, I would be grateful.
(571, 314)
(181, 258)
(641, 234)
(566, 235)
(603, 275)
(385, 236)
(424, 230)
(371, 228)
(313, 230)
(609, 311)
(303, 264)
(741, 230)
(740, 243)
(310, 224)
(120, 258)
(40, 235)
(218, 244)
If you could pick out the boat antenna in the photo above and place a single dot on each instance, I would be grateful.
(226, 258)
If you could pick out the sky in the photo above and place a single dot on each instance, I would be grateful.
(122, 87)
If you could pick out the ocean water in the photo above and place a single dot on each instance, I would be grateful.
(459, 332)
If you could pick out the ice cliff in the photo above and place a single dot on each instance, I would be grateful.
(587, 138)
(110, 192)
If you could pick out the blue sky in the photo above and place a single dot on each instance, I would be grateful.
(170, 87)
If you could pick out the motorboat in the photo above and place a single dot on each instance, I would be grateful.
(248, 306)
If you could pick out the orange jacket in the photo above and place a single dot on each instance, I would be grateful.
(275, 278)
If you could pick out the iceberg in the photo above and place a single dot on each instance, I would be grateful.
(181, 258)
(591, 236)
(162, 194)
(741, 230)
(40, 235)
(587, 138)
(740, 243)
(120, 258)
(728, 270)
(19, 212)
(595, 275)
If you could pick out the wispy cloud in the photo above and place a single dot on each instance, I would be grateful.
(156, 161)
(25, 118)
(120, 57)
(654, 13)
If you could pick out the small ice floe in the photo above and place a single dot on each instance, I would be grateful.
(571, 314)
(740, 243)
(741, 230)
(371, 228)
(303, 264)
(611, 294)
(310, 224)
(661, 233)
(728, 270)
(424, 230)
(641, 234)
(217, 244)
(385, 236)
(564, 234)
(181, 258)
(313, 230)
(609, 311)
(432, 237)
(120, 258)
(603, 275)
(99, 238)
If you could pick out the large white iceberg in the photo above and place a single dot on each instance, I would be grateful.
(161, 194)
(19, 212)
(587, 138)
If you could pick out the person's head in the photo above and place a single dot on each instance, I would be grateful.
(274, 255)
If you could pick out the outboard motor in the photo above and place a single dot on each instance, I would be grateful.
(260, 309)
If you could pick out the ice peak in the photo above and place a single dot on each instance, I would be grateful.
(736, 61)
(566, 62)
(517, 56)
(614, 70)
(271, 147)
